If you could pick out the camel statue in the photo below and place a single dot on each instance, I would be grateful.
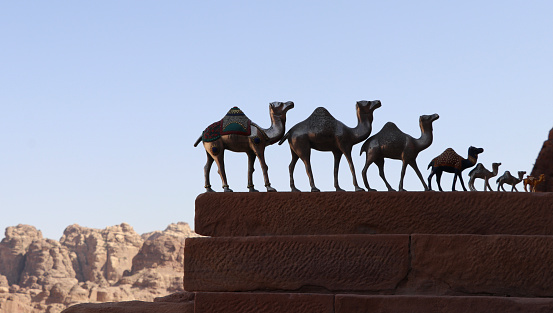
(235, 132)
(322, 132)
(533, 182)
(390, 142)
(507, 178)
(449, 161)
(481, 172)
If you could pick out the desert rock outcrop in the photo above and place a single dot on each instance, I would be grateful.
(544, 165)
(88, 265)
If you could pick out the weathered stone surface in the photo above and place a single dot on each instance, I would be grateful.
(132, 307)
(544, 165)
(515, 266)
(226, 302)
(102, 255)
(434, 304)
(305, 263)
(13, 248)
(284, 213)
(47, 275)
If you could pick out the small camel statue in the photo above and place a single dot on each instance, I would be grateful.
(481, 172)
(533, 182)
(322, 132)
(509, 179)
(390, 142)
(449, 161)
(235, 132)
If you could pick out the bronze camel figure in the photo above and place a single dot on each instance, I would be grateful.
(509, 179)
(253, 144)
(390, 142)
(483, 173)
(449, 161)
(322, 132)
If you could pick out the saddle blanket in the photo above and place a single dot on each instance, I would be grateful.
(234, 122)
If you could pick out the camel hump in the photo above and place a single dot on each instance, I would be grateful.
(448, 158)
(322, 122)
(479, 167)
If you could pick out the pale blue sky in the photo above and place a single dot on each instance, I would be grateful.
(101, 101)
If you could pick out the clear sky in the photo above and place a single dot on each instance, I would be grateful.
(101, 101)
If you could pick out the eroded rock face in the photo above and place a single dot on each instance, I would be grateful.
(88, 265)
(544, 165)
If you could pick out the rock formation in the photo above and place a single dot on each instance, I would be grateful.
(88, 265)
(544, 165)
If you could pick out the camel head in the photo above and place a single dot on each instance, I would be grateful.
(473, 151)
(280, 108)
(425, 121)
(542, 177)
(521, 174)
(495, 166)
(367, 107)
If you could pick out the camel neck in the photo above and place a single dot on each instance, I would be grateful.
(276, 130)
(363, 128)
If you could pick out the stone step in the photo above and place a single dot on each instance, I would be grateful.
(418, 264)
(229, 302)
(286, 213)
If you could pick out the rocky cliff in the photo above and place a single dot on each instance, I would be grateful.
(544, 165)
(88, 265)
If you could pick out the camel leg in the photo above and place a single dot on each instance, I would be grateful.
(207, 169)
(514, 187)
(305, 156)
(368, 162)
(352, 168)
(403, 168)
(260, 152)
(461, 180)
(439, 180)
(251, 169)
(430, 179)
(380, 164)
(487, 186)
(416, 168)
(471, 183)
(220, 160)
(337, 158)
(291, 168)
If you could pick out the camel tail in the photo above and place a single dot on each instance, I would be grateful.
(283, 139)
(198, 141)
(430, 164)
(363, 147)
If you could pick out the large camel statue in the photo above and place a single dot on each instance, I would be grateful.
(235, 132)
(509, 179)
(390, 142)
(481, 172)
(533, 182)
(321, 131)
(449, 161)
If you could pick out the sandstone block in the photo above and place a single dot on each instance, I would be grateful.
(435, 304)
(305, 263)
(327, 213)
(207, 302)
(516, 266)
(132, 307)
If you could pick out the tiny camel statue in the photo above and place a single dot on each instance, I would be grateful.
(509, 179)
(449, 161)
(390, 142)
(321, 131)
(533, 182)
(481, 172)
(235, 132)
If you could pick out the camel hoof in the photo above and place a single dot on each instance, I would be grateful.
(294, 189)
(271, 189)
(391, 190)
(370, 189)
(209, 190)
(227, 189)
(338, 189)
(251, 189)
(402, 189)
(315, 189)
(359, 189)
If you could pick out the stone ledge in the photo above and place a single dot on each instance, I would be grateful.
(297, 263)
(460, 265)
(226, 302)
(286, 213)
(439, 304)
